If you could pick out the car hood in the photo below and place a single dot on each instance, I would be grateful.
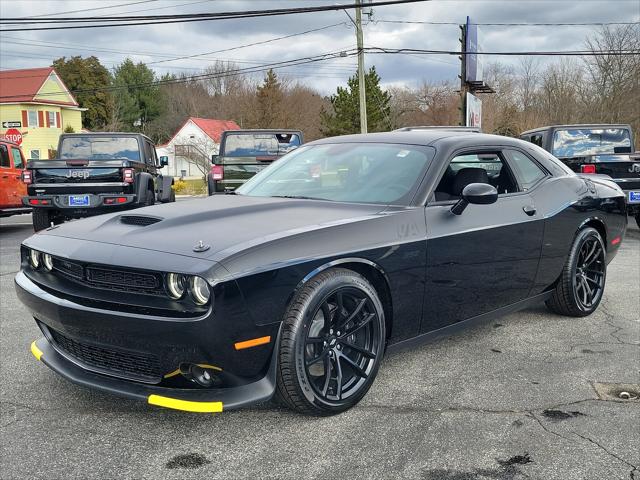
(225, 224)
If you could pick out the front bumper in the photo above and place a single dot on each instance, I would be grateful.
(202, 401)
(247, 376)
(96, 201)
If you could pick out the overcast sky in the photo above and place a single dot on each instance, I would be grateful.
(161, 42)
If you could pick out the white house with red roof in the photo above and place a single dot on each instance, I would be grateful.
(189, 150)
(35, 108)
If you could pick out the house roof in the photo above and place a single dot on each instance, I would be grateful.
(21, 86)
(214, 128)
(210, 127)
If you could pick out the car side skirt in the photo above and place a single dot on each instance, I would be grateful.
(465, 324)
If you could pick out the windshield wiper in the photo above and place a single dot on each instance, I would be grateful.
(299, 197)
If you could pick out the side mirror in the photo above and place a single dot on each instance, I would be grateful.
(164, 161)
(214, 159)
(476, 193)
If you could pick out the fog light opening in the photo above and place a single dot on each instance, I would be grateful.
(204, 376)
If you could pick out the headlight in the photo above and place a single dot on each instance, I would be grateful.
(175, 285)
(199, 289)
(47, 261)
(34, 258)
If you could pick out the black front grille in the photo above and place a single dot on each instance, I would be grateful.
(139, 220)
(123, 278)
(138, 366)
(68, 268)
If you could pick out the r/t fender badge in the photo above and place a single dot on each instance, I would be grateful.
(201, 247)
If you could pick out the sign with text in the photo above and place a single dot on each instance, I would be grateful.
(13, 135)
(473, 66)
(15, 124)
(474, 111)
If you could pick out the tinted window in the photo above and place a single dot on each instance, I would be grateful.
(259, 144)
(18, 161)
(100, 148)
(4, 157)
(526, 170)
(475, 168)
(537, 139)
(579, 142)
(345, 172)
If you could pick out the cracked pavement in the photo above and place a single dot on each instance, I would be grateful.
(520, 397)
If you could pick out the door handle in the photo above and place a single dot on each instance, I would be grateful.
(529, 210)
(5, 176)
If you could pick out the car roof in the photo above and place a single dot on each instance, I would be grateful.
(578, 125)
(107, 134)
(457, 128)
(424, 137)
(263, 130)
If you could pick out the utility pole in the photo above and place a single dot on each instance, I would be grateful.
(361, 84)
(463, 75)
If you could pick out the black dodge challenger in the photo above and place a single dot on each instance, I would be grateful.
(299, 283)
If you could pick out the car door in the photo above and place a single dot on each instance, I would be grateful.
(487, 257)
(18, 188)
(6, 196)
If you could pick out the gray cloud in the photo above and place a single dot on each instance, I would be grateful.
(144, 43)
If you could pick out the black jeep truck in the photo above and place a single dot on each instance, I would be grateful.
(603, 149)
(243, 153)
(95, 173)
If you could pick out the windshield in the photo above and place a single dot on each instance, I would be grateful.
(259, 144)
(345, 172)
(100, 148)
(580, 142)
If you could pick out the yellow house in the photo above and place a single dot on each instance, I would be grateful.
(35, 108)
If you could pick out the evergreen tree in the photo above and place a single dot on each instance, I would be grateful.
(90, 79)
(137, 100)
(269, 102)
(345, 118)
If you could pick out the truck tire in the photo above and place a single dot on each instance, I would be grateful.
(150, 199)
(42, 218)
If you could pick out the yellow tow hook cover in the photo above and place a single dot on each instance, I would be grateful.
(36, 351)
(185, 405)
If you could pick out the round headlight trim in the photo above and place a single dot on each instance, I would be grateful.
(175, 285)
(47, 262)
(34, 258)
(199, 289)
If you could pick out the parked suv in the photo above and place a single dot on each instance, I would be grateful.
(95, 173)
(243, 153)
(603, 149)
(11, 188)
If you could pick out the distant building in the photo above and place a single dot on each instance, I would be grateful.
(192, 146)
(37, 104)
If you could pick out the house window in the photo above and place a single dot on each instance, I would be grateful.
(33, 118)
(52, 120)
(35, 154)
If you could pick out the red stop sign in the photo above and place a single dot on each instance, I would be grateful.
(13, 135)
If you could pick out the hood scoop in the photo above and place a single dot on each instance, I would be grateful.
(139, 220)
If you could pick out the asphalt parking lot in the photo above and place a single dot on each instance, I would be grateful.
(521, 397)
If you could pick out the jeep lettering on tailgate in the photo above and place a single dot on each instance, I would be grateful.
(84, 174)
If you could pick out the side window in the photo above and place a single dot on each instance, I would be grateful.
(536, 139)
(149, 153)
(18, 161)
(475, 168)
(35, 154)
(4, 157)
(526, 170)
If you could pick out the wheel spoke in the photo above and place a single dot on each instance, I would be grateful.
(353, 314)
(359, 349)
(584, 292)
(355, 367)
(315, 340)
(587, 259)
(327, 375)
(338, 377)
(327, 314)
(317, 359)
(366, 319)
(595, 282)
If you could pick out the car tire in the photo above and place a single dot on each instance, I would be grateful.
(42, 218)
(331, 344)
(150, 199)
(581, 285)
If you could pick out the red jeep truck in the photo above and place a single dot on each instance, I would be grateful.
(12, 189)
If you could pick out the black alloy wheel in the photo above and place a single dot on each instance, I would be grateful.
(588, 281)
(332, 343)
(580, 287)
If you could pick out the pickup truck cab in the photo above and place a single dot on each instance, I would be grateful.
(95, 173)
(601, 149)
(11, 188)
(243, 153)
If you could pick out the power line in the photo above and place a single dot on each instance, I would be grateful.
(183, 18)
(93, 9)
(192, 78)
(414, 51)
(510, 24)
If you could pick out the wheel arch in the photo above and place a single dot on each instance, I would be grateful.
(373, 272)
(599, 225)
